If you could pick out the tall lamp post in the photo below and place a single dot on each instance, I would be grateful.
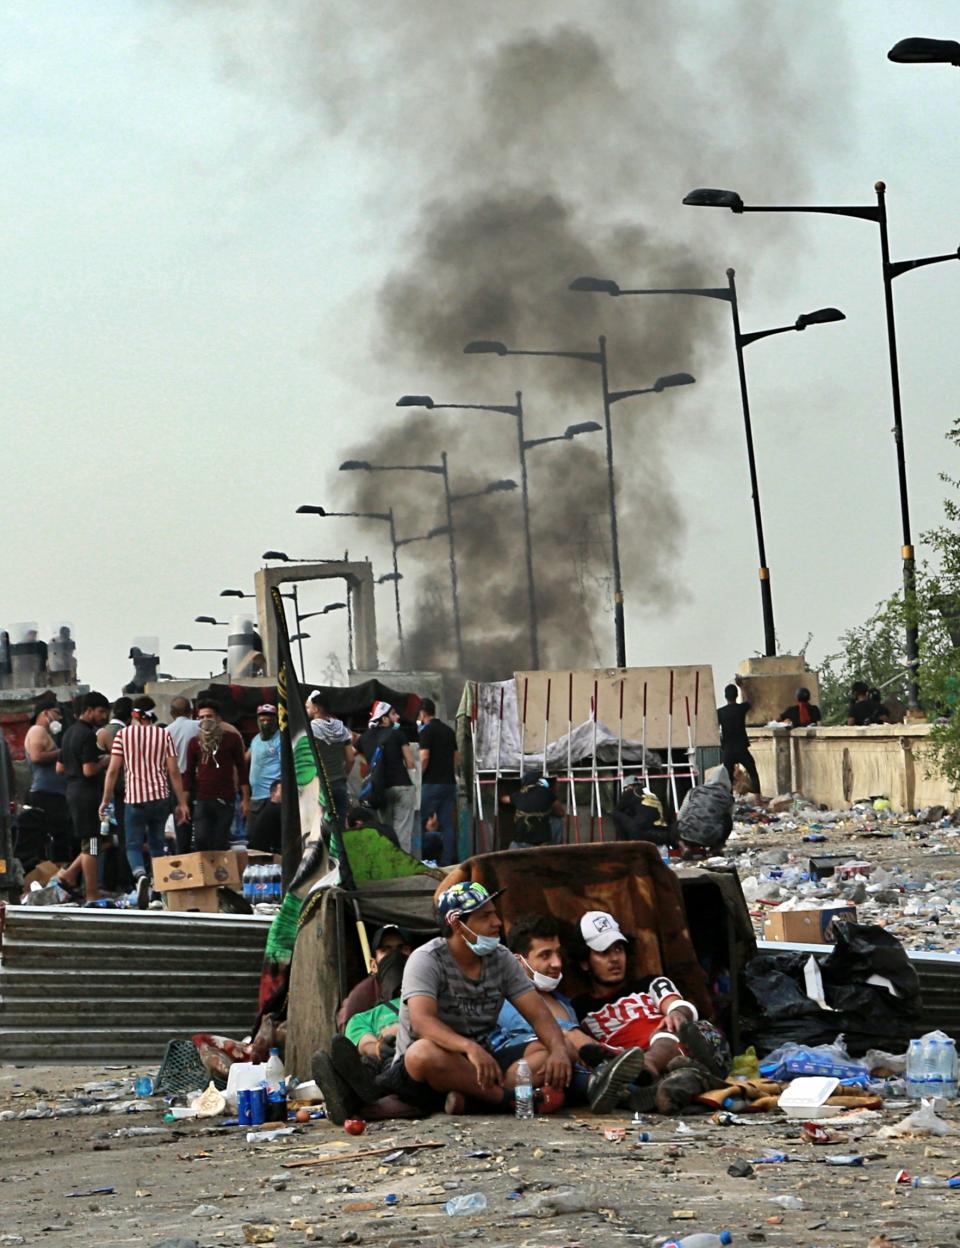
(515, 410)
(598, 285)
(440, 470)
(706, 197)
(609, 398)
(308, 509)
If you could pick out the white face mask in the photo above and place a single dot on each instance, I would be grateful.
(546, 983)
(54, 727)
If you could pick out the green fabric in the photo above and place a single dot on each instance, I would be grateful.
(283, 930)
(372, 1022)
(373, 857)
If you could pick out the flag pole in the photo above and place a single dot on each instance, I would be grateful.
(691, 748)
(596, 773)
(643, 736)
(496, 780)
(479, 839)
(546, 724)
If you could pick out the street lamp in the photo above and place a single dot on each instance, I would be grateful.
(308, 509)
(710, 198)
(441, 531)
(363, 465)
(200, 649)
(208, 619)
(925, 52)
(235, 593)
(571, 432)
(331, 606)
(488, 347)
(515, 410)
(602, 285)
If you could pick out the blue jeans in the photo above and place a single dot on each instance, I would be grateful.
(145, 821)
(341, 800)
(441, 799)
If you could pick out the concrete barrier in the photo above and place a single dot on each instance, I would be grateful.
(838, 766)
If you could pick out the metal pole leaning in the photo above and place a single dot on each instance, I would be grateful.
(618, 619)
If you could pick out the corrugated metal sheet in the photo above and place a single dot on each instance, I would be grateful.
(103, 986)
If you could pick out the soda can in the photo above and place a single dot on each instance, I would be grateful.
(244, 1115)
(258, 1106)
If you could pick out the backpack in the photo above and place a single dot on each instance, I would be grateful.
(373, 791)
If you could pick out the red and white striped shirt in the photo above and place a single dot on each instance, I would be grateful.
(144, 749)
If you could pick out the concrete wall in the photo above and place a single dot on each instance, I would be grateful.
(838, 766)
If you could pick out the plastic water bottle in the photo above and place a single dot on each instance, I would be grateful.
(916, 1087)
(274, 1073)
(702, 1239)
(947, 1054)
(473, 1202)
(933, 1064)
(276, 882)
(523, 1091)
(931, 1180)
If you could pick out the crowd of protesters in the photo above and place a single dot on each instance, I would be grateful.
(117, 788)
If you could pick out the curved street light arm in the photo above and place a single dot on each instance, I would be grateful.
(746, 339)
(896, 267)
(707, 292)
(616, 395)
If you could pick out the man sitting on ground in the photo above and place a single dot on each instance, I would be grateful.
(648, 1012)
(390, 949)
(453, 989)
(600, 1073)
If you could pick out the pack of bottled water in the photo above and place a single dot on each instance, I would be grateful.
(932, 1067)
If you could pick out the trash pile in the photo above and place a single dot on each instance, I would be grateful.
(868, 864)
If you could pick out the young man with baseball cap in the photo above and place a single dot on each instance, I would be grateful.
(389, 948)
(453, 989)
(263, 759)
(600, 1073)
(647, 1012)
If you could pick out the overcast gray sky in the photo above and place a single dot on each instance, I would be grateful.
(196, 236)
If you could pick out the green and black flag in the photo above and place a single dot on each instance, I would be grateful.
(310, 836)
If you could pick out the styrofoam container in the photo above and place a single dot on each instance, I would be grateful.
(805, 1097)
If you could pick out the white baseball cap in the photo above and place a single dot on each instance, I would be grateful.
(600, 930)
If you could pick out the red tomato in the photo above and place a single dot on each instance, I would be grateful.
(355, 1126)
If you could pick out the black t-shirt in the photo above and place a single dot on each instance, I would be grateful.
(440, 739)
(863, 712)
(733, 724)
(393, 740)
(792, 715)
(532, 808)
(80, 746)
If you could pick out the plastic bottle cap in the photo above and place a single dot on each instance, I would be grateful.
(726, 1237)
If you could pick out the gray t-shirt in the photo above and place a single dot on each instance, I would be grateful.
(468, 1006)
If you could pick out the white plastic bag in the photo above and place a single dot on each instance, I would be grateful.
(923, 1121)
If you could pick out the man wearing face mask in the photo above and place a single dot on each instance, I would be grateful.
(453, 989)
(600, 1073)
(390, 949)
(263, 759)
(48, 821)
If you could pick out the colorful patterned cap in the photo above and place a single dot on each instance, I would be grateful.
(462, 899)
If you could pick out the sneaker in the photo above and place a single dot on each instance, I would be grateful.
(609, 1082)
(143, 892)
(339, 1099)
(642, 1100)
(354, 1069)
(678, 1088)
(696, 1045)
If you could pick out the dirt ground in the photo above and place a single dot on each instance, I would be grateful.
(632, 1191)
(207, 1185)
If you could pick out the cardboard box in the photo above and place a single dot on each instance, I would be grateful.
(806, 927)
(203, 899)
(43, 873)
(202, 870)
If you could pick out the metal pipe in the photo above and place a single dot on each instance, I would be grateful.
(453, 561)
(528, 540)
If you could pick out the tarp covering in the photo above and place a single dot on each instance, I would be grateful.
(495, 733)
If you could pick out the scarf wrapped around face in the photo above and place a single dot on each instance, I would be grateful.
(211, 734)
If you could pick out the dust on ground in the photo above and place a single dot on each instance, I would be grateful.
(206, 1184)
